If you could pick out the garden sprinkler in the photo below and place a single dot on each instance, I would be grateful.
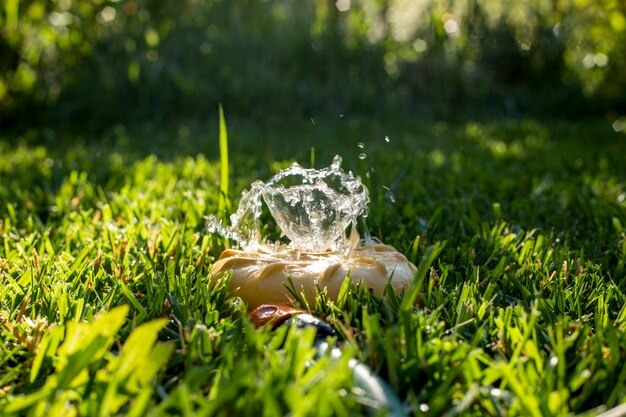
(317, 211)
(380, 397)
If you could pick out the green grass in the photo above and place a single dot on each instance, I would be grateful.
(107, 306)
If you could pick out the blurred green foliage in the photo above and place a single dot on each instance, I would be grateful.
(96, 62)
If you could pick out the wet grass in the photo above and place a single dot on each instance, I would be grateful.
(107, 306)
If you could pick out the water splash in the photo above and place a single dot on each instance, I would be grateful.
(317, 210)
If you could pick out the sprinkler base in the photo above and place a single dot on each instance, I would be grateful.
(261, 276)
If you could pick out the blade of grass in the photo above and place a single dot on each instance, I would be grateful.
(224, 203)
(431, 253)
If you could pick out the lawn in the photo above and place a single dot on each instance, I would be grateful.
(518, 228)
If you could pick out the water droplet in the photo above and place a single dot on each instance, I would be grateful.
(360, 145)
(496, 392)
(362, 156)
(313, 121)
(389, 195)
(336, 163)
(386, 138)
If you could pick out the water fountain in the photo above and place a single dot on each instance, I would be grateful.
(317, 211)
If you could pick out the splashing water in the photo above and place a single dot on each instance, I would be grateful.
(317, 210)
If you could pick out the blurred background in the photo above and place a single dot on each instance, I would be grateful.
(94, 63)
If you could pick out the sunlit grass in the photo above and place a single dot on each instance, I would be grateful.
(519, 229)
